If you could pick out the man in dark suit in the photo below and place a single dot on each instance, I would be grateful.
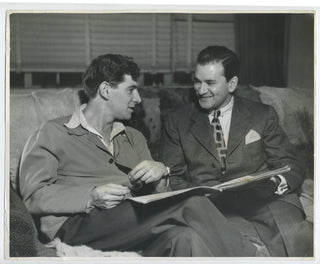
(224, 137)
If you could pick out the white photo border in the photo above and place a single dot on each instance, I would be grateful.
(4, 121)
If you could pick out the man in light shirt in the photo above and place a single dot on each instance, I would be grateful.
(77, 171)
(223, 137)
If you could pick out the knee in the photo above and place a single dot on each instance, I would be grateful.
(183, 233)
(187, 233)
(187, 242)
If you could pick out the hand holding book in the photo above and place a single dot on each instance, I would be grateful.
(245, 181)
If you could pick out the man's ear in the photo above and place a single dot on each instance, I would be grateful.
(103, 89)
(232, 84)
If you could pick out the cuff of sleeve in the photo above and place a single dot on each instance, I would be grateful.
(89, 203)
(283, 185)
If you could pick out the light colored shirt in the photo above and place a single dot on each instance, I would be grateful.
(78, 118)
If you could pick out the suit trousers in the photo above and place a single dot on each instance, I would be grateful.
(177, 226)
(280, 225)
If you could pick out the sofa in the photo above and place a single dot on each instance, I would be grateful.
(30, 108)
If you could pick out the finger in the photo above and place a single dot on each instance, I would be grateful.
(146, 176)
(117, 186)
(110, 205)
(113, 192)
(99, 204)
(151, 179)
(118, 192)
(114, 189)
(138, 167)
(110, 197)
(105, 205)
(111, 188)
(139, 174)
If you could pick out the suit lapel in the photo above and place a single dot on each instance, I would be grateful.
(240, 124)
(202, 131)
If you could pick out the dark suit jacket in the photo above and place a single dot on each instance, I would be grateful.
(187, 147)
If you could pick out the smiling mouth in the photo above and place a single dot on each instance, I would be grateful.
(205, 97)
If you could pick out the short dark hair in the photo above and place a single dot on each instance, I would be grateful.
(110, 68)
(221, 54)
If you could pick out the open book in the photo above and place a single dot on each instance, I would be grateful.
(232, 184)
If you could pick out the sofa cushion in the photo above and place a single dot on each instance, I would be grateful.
(28, 110)
(293, 107)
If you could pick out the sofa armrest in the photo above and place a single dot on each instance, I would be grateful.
(24, 240)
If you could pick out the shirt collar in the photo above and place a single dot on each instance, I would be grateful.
(226, 109)
(78, 119)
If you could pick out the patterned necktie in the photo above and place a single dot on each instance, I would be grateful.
(219, 140)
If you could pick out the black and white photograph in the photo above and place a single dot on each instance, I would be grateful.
(186, 134)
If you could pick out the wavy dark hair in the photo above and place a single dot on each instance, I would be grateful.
(110, 68)
(221, 54)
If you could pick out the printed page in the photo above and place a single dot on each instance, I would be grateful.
(239, 182)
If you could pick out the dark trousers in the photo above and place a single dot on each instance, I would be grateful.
(280, 225)
(173, 227)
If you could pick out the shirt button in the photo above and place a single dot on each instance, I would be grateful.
(111, 161)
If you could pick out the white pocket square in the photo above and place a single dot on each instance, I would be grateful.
(252, 136)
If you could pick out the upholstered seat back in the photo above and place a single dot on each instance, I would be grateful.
(28, 110)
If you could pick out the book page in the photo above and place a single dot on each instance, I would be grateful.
(242, 181)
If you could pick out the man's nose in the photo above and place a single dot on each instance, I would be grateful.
(136, 96)
(202, 88)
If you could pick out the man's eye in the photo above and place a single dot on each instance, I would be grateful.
(211, 83)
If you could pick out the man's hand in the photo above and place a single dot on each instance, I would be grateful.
(266, 189)
(108, 196)
(148, 171)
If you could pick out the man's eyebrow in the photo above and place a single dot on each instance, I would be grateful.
(207, 80)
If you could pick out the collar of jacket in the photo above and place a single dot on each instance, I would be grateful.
(78, 131)
(240, 123)
(78, 125)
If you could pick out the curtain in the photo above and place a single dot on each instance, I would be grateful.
(261, 43)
